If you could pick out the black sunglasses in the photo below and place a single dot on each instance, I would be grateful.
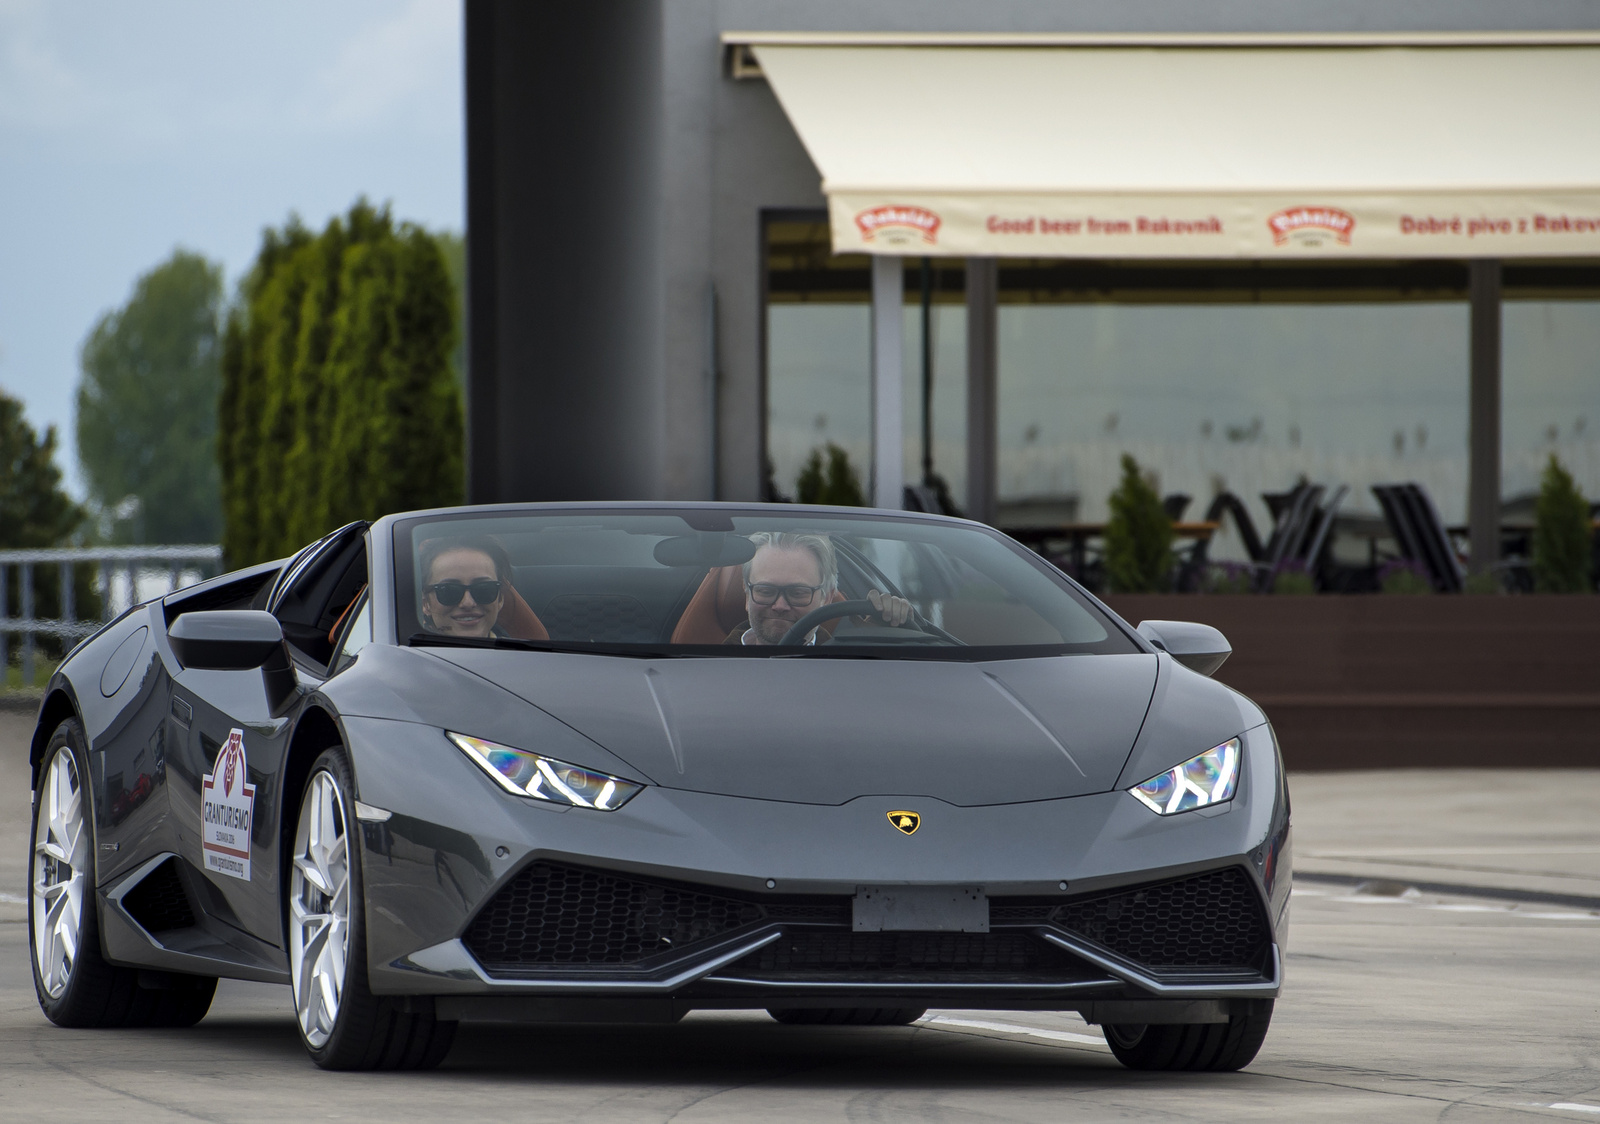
(485, 591)
(766, 594)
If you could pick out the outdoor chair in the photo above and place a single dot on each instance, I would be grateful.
(1420, 534)
(1302, 526)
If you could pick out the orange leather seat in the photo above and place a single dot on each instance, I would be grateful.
(715, 610)
(718, 607)
(517, 618)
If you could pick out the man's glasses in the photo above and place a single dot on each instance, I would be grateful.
(485, 591)
(798, 596)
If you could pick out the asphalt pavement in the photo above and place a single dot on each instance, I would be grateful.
(1444, 964)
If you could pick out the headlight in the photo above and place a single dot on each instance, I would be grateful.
(1207, 779)
(530, 774)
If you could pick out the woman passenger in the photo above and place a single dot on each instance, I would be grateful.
(463, 584)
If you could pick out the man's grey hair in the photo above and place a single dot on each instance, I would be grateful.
(819, 546)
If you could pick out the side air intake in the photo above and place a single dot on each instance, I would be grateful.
(159, 902)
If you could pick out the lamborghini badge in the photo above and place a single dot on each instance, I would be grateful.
(907, 822)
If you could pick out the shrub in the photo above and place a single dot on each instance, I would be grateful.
(1228, 577)
(1404, 576)
(1293, 578)
(1561, 534)
(833, 481)
(1139, 535)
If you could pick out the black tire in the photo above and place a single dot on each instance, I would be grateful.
(1214, 1047)
(847, 1016)
(97, 993)
(368, 1031)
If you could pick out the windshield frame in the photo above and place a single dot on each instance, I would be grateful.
(1120, 637)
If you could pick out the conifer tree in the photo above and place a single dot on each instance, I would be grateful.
(1561, 533)
(1138, 536)
(338, 368)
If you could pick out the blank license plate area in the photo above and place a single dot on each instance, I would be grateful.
(947, 909)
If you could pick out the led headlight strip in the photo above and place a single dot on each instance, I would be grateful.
(1208, 778)
(544, 778)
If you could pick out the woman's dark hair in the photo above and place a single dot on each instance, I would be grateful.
(433, 549)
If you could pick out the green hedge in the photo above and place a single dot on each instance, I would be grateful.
(338, 401)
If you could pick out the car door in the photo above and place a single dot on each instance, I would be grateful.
(239, 734)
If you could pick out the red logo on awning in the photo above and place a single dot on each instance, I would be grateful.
(898, 223)
(1308, 224)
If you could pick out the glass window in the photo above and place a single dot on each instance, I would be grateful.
(819, 358)
(1551, 396)
(357, 637)
(1243, 398)
(686, 581)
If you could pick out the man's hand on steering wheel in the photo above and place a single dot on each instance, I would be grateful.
(894, 611)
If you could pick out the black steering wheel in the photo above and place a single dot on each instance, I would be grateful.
(824, 613)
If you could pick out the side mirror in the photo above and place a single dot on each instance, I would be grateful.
(226, 639)
(237, 640)
(1196, 646)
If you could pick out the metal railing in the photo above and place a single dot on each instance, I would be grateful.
(124, 576)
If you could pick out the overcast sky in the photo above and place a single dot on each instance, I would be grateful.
(129, 127)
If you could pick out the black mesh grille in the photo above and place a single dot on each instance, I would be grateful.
(551, 915)
(158, 901)
(836, 954)
(1210, 921)
(1022, 911)
(613, 617)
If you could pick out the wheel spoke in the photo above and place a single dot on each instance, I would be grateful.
(309, 871)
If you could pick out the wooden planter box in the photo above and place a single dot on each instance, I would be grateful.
(1371, 681)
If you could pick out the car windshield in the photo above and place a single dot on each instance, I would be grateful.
(732, 582)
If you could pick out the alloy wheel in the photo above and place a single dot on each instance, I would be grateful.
(60, 874)
(319, 909)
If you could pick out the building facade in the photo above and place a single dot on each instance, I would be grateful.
(660, 308)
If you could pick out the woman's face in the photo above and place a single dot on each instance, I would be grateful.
(467, 617)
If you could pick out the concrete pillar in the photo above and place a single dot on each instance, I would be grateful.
(982, 380)
(1483, 425)
(888, 366)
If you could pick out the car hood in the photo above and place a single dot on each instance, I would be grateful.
(825, 731)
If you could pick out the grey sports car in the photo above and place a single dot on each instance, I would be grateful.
(620, 762)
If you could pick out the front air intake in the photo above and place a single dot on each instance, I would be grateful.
(1213, 920)
(552, 916)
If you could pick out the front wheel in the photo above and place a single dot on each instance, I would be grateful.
(343, 1025)
(1218, 1047)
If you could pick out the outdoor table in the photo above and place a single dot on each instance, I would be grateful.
(1077, 536)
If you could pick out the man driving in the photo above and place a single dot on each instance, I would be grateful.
(792, 574)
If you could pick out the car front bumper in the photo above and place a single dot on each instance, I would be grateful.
(453, 845)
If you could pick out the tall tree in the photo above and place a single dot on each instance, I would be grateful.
(454, 248)
(35, 511)
(338, 400)
(147, 404)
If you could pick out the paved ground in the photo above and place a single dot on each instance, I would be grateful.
(1399, 1006)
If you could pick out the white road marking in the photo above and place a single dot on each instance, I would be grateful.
(1377, 852)
(1572, 1106)
(1035, 1032)
(1413, 897)
(12, 899)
